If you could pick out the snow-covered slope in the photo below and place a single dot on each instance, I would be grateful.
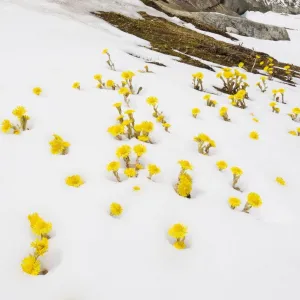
(231, 255)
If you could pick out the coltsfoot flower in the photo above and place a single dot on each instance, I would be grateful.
(153, 170)
(39, 226)
(234, 202)
(280, 181)
(195, 112)
(40, 246)
(237, 173)
(116, 131)
(224, 114)
(185, 165)
(124, 152)
(198, 81)
(37, 90)
(253, 200)
(59, 146)
(130, 172)
(31, 265)
(179, 245)
(74, 180)
(254, 135)
(222, 165)
(178, 231)
(76, 85)
(153, 101)
(139, 150)
(115, 209)
(19, 111)
(136, 188)
(114, 167)
(6, 126)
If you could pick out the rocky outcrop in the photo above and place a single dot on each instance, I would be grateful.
(223, 22)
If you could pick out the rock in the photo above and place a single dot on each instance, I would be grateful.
(221, 21)
(232, 30)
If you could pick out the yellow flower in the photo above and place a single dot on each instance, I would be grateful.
(226, 69)
(241, 94)
(273, 104)
(281, 91)
(223, 111)
(298, 129)
(263, 78)
(38, 225)
(104, 51)
(257, 56)
(139, 150)
(136, 188)
(40, 246)
(123, 151)
(178, 231)
(115, 209)
(219, 75)
(241, 64)
(127, 75)
(126, 122)
(244, 76)
(198, 75)
(19, 111)
(293, 132)
(228, 74)
(195, 111)
(58, 145)
(110, 83)
(124, 91)
(201, 138)
(6, 126)
(222, 165)
(98, 77)
(147, 126)
(236, 171)
(116, 130)
(185, 165)
(184, 187)
(153, 169)
(266, 68)
(113, 166)
(254, 200)
(234, 202)
(117, 104)
(212, 143)
(296, 110)
(179, 245)
(129, 112)
(37, 90)
(254, 135)
(280, 180)
(255, 120)
(76, 85)
(74, 180)
(130, 172)
(160, 118)
(139, 167)
(166, 125)
(152, 101)
(31, 265)
(207, 97)
(143, 138)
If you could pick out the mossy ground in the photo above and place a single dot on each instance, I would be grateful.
(168, 38)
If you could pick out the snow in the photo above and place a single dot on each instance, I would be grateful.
(231, 255)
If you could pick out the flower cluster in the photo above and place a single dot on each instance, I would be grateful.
(209, 101)
(295, 113)
(233, 80)
(238, 100)
(127, 77)
(268, 67)
(185, 183)
(204, 143)
(277, 94)
(58, 145)
(132, 166)
(178, 232)
(262, 84)
(224, 114)
(198, 81)
(275, 109)
(109, 61)
(31, 264)
(20, 113)
(253, 200)
(159, 116)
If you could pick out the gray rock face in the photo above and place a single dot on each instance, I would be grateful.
(235, 23)
(232, 30)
